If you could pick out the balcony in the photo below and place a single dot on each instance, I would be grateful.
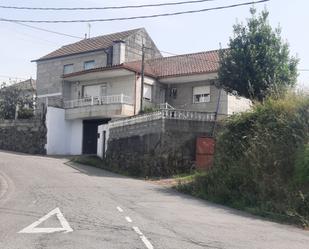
(99, 107)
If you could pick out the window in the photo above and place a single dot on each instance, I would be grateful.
(94, 90)
(68, 69)
(173, 93)
(147, 92)
(201, 94)
(88, 65)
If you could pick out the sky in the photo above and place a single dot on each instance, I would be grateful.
(176, 34)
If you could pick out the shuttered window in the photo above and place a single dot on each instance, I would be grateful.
(201, 94)
(147, 92)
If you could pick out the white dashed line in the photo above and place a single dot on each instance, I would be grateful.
(120, 209)
(143, 238)
(128, 219)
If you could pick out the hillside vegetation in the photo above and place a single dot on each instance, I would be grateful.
(262, 162)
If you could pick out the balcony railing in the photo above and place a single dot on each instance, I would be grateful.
(164, 114)
(103, 100)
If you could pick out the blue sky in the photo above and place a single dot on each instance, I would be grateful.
(178, 34)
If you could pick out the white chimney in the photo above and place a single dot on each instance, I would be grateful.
(119, 52)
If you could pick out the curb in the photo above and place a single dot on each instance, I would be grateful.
(4, 186)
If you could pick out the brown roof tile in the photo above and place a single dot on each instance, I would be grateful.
(173, 66)
(186, 64)
(88, 45)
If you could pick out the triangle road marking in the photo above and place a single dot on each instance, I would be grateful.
(34, 229)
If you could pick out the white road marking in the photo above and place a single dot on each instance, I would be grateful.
(128, 219)
(143, 238)
(34, 229)
(120, 209)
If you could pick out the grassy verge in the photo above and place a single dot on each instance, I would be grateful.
(97, 162)
(195, 184)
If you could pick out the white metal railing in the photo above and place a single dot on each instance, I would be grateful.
(165, 106)
(164, 114)
(102, 100)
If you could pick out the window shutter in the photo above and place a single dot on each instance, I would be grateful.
(201, 90)
(147, 91)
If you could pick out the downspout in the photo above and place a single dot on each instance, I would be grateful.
(135, 87)
(216, 114)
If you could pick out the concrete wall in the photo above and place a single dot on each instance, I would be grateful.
(237, 104)
(100, 111)
(63, 137)
(155, 148)
(134, 47)
(184, 99)
(27, 136)
(49, 72)
(102, 145)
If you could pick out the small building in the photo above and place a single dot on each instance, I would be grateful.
(97, 81)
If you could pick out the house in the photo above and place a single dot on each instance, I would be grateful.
(91, 82)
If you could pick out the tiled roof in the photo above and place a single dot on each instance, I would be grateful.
(29, 84)
(88, 45)
(173, 66)
(187, 64)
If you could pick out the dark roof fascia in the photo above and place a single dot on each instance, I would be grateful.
(102, 69)
(187, 74)
(95, 70)
(68, 55)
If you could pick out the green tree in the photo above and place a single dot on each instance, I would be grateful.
(12, 98)
(257, 62)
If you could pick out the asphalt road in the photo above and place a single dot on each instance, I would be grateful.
(109, 211)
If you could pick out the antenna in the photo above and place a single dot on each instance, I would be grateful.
(89, 28)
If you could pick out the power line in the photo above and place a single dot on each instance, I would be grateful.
(134, 17)
(42, 29)
(303, 70)
(12, 77)
(105, 8)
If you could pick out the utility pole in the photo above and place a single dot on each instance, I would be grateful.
(142, 77)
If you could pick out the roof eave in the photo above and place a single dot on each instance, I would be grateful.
(186, 74)
(68, 55)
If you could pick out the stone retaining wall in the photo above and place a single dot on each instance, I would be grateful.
(158, 148)
(27, 136)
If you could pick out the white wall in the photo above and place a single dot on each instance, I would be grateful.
(101, 129)
(76, 136)
(63, 137)
(237, 104)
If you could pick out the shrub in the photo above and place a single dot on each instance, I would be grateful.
(261, 161)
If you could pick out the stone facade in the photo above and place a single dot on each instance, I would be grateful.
(50, 71)
(157, 148)
(27, 136)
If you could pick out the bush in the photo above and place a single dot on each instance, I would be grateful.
(261, 162)
(301, 176)
(25, 113)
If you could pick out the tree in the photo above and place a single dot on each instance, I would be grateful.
(257, 62)
(12, 99)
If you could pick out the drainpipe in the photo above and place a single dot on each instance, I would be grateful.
(135, 88)
(142, 77)
(216, 113)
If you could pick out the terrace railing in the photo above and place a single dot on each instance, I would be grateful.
(164, 114)
(102, 100)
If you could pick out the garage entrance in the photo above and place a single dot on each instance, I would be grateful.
(90, 135)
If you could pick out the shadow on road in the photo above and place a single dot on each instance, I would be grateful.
(93, 171)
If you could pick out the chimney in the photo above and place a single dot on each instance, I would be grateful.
(119, 50)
